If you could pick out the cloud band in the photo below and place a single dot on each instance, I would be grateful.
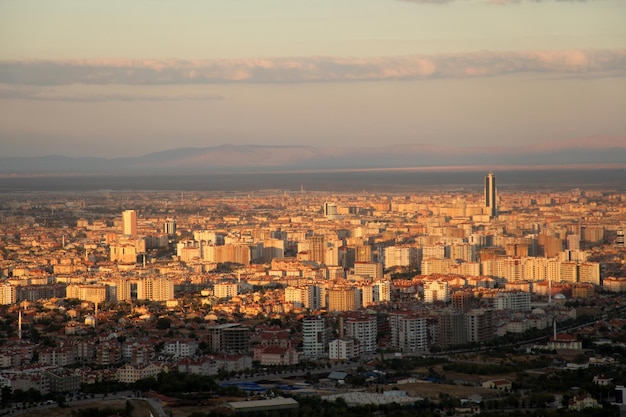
(582, 63)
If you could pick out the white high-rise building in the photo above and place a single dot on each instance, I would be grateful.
(512, 300)
(316, 298)
(314, 336)
(463, 251)
(382, 291)
(210, 236)
(436, 251)
(118, 289)
(401, 256)
(569, 271)
(330, 210)
(365, 295)
(364, 329)
(129, 222)
(409, 333)
(298, 296)
(8, 295)
(155, 289)
(225, 290)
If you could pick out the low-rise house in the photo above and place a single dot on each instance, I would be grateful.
(202, 366)
(602, 380)
(499, 384)
(129, 374)
(273, 356)
(582, 401)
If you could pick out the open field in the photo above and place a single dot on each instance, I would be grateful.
(140, 408)
(432, 391)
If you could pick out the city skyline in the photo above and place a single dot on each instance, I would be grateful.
(100, 292)
(111, 80)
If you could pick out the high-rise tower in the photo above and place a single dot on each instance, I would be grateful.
(491, 195)
(129, 222)
(316, 247)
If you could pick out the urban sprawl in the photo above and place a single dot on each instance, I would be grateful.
(357, 299)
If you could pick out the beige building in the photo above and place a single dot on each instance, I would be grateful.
(129, 374)
(436, 291)
(94, 293)
(614, 284)
(155, 289)
(124, 253)
(341, 299)
(373, 270)
(129, 222)
(225, 290)
(7, 294)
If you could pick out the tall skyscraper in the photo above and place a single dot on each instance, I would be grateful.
(491, 195)
(129, 222)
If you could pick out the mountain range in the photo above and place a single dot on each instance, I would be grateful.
(250, 158)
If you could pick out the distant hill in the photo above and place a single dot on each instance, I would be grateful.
(246, 158)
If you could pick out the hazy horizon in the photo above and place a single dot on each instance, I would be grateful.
(355, 181)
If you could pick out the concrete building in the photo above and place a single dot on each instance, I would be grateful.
(342, 299)
(129, 222)
(8, 294)
(401, 256)
(363, 328)
(373, 270)
(343, 349)
(479, 325)
(314, 336)
(451, 329)
(409, 332)
(180, 348)
(155, 289)
(225, 290)
(512, 300)
(317, 248)
(94, 293)
(436, 291)
(491, 197)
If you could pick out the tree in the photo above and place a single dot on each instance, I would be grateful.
(163, 323)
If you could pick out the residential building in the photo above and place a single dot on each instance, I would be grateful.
(314, 336)
(409, 332)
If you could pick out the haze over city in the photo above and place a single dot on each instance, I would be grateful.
(112, 79)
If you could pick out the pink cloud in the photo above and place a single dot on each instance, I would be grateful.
(587, 63)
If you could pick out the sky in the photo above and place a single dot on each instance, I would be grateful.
(126, 78)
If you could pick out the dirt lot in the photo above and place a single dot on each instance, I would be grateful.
(432, 391)
(140, 408)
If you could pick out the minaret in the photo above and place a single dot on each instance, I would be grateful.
(550, 292)
(19, 325)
